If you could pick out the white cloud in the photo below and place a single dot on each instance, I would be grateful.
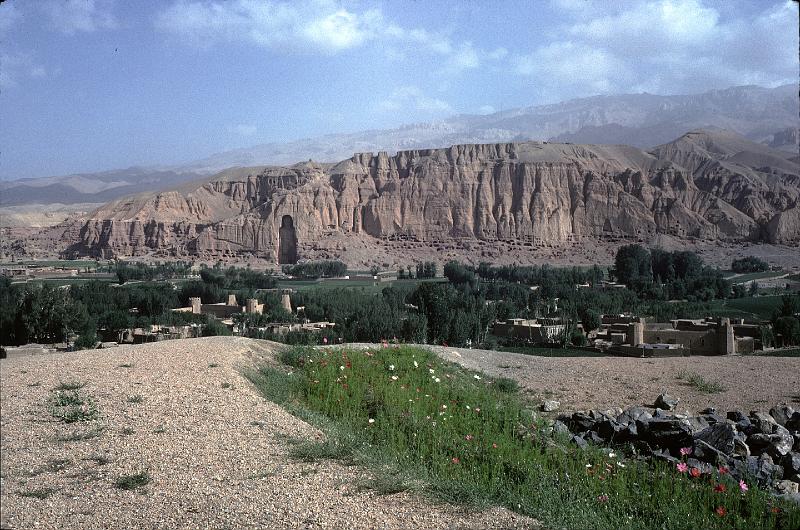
(74, 16)
(408, 98)
(243, 129)
(16, 67)
(486, 109)
(314, 26)
(666, 46)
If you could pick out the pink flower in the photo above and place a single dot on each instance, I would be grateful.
(723, 470)
(602, 498)
(324, 340)
(455, 460)
(468, 437)
(682, 467)
(743, 485)
(494, 446)
(686, 451)
(694, 472)
(721, 511)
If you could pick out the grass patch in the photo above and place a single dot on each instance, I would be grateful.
(213, 365)
(132, 482)
(100, 459)
(73, 384)
(81, 435)
(126, 365)
(420, 423)
(699, 383)
(227, 385)
(127, 431)
(39, 493)
(71, 407)
(138, 398)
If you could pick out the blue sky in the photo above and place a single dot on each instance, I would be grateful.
(88, 85)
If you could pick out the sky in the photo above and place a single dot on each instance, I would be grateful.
(91, 85)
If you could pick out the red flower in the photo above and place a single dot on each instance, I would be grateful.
(494, 446)
(455, 460)
(721, 511)
(719, 488)
(694, 472)
(348, 364)
(775, 509)
(723, 470)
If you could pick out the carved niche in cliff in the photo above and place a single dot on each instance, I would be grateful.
(287, 246)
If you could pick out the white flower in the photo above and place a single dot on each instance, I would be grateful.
(341, 368)
(467, 407)
(391, 367)
(438, 380)
(372, 420)
(416, 364)
(612, 455)
(588, 465)
(430, 370)
(444, 406)
(620, 464)
(476, 376)
(394, 378)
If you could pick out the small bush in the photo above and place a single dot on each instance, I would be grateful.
(41, 493)
(504, 384)
(700, 383)
(138, 398)
(80, 436)
(132, 482)
(72, 384)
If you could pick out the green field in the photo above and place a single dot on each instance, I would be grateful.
(550, 352)
(741, 278)
(334, 283)
(77, 263)
(758, 307)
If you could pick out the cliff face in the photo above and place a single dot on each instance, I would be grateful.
(525, 191)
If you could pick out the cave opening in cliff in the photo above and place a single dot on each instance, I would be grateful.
(287, 247)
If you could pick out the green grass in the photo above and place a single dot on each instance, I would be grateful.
(81, 435)
(758, 307)
(461, 439)
(699, 383)
(40, 493)
(72, 384)
(71, 406)
(132, 482)
(138, 398)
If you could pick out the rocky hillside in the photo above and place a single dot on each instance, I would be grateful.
(710, 185)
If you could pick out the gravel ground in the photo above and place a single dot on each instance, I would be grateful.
(217, 455)
(581, 383)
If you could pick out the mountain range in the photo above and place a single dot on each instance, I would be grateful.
(763, 115)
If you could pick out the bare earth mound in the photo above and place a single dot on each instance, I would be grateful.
(216, 452)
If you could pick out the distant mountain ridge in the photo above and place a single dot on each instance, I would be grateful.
(706, 185)
(763, 115)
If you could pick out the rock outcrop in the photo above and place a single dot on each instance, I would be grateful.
(707, 185)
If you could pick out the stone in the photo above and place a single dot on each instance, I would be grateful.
(763, 422)
(632, 414)
(580, 422)
(737, 416)
(707, 453)
(580, 441)
(791, 463)
(721, 436)
(550, 405)
(666, 402)
(781, 442)
(781, 414)
(786, 487)
(560, 428)
(669, 434)
(793, 423)
(762, 469)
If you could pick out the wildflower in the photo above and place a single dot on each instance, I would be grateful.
(394, 378)
(602, 498)
(743, 486)
(416, 364)
(467, 407)
(721, 511)
(372, 420)
(682, 467)
(694, 472)
(476, 376)
(438, 380)
(494, 446)
(620, 464)
(468, 437)
(430, 370)
(775, 509)
(455, 460)
(324, 340)
(341, 367)
(612, 454)
(719, 488)
(391, 367)
(686, 451)
(723, 470)
(477, 409)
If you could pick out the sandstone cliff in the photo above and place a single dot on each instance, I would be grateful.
(707, 185)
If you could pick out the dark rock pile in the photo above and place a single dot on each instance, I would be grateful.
(759, 446)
